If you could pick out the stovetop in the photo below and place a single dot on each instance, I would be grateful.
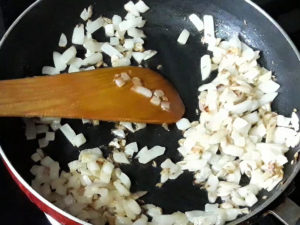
(16, 209)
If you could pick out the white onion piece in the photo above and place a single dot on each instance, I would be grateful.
(295, 121)
(116, 20)
(109, 30)
(78, 34)
(130, 7)
(142, 91)
(205, 66)
(63, 40)
(130, 149)
(58, 63)
(49, 70)
(183, 37)
(92, 26)
(92, 45)
(73, 69)
(149, 54)
(50, 136)
(114, 41)
(119, 133)
(141, 6)
(128, 44)
(155, 100)
(196, 21)
(86, 13)
(268, 86)
(93, 59)
(120, 157)
(78, 140)
(138, 57)
(209, 29)
(68, 132)
(68, 54)
(183, 124)
(135, 33)
(110, 50)
(144, 156)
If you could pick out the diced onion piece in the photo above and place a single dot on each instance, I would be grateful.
(196, 21)
(36, 157)
(116, 20)
(149, 54)
(165, 105)
(86, 13)
(138, 57)
(58, 63)
(109, 30)
(159, 93)
(92, 26)
(119, 82)
(183, 124)
(142, 91)
(155, 100)
(130, 149)
(114, 41)
(128, 44)
(78, 140)
(209, 28)
(130, 7)
(93, 59)
(141, 6)
(49, 70)
(205, 66)
(295, 121)
(69, 54)
(78, 34)
(63, 40)
(110, 50)
(183, 37)
(144, 156)
(119, 133)
(50, 136)
(68, 132)
(125, 76)
(268, 86)
(135, 33)
(43, 142)
(120, 157)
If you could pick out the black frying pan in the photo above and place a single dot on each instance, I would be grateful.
(29, 44)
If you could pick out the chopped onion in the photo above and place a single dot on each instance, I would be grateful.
(86, 13)
(78, 34)
(196, 21)
(183, 124)
(63, 40)
(183, 37)
(144, 156)
(49, 70)
(120, 157)
(142, 91)
(205, 66)
(69, 54)
(92, 26)
(141, 6)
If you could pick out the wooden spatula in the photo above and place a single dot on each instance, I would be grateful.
(89, 95)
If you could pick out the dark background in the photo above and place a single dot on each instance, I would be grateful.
(16, 209)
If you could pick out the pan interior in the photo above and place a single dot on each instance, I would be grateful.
(30, 44)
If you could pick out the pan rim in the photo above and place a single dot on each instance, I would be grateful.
(3, 155)
(266, 203)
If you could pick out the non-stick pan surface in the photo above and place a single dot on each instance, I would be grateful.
(30, 43)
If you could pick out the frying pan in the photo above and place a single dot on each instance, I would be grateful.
(30, 41)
